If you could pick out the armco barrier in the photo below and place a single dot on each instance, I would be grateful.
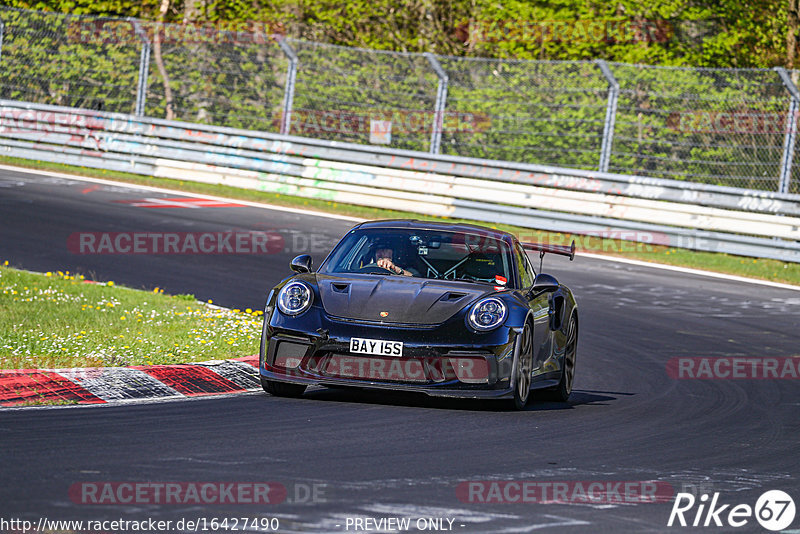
(673, 213)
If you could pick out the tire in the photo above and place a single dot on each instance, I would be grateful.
(563, 390)
(282, 389)
(522, 368)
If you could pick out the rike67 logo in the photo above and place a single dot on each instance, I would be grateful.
(774, 510)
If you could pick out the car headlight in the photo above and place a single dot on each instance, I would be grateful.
(487, 314)
(294, 298)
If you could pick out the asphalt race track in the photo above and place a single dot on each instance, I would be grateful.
(344, 455)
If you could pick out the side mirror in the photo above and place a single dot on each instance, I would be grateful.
(544, 283)
(301, 264)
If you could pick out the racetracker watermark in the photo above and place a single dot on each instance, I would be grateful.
(564, 492)
(123, 32)
(734, 368)
(729, 122)
(181, 493)
(46, 525)
(466, 369)
(234, 242)
(25, 120)
(566, 31)
(403, 121)
(607, 240)
(601, 240)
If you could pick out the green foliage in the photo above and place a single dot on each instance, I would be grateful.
(710, 33)
(340, 90)
(501, 106)
(530, 112)
(219, 78)
(46, 58)
(110, 8)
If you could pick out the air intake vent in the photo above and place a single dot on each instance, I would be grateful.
(340, 288)
(451, 296)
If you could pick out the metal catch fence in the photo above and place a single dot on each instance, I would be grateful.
(728, 127)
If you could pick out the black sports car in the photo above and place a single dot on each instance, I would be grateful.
(452, 310)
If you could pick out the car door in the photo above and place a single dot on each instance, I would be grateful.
(540, 307)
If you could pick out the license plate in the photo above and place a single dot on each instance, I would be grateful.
(377, 347)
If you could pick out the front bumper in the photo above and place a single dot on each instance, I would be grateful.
(316, 351)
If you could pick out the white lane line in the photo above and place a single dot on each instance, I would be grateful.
(182, 193)
(652, 265)
(557, 521)
(688, 270)
(121, 402)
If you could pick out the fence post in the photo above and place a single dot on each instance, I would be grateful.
(611, 115)
(144, 69)
(2, 31)
(791, 131)
(441, 101)
(288, 91)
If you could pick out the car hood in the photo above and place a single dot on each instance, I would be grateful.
(401, 299)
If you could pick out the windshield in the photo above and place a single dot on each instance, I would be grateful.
(431, 254)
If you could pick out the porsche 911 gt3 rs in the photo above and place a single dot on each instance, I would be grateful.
(446, 309)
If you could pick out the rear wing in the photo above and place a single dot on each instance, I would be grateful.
(543, 248)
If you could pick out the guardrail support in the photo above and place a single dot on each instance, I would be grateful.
(441, 101)
(611, 115)
(791, 131)
(144, 69)
(288, 91)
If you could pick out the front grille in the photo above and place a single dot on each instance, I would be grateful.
(383, 323)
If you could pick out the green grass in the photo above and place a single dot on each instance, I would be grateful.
(763, 269)
(46, 402)
(56, 320)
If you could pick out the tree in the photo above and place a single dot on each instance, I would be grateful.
(792, 33)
